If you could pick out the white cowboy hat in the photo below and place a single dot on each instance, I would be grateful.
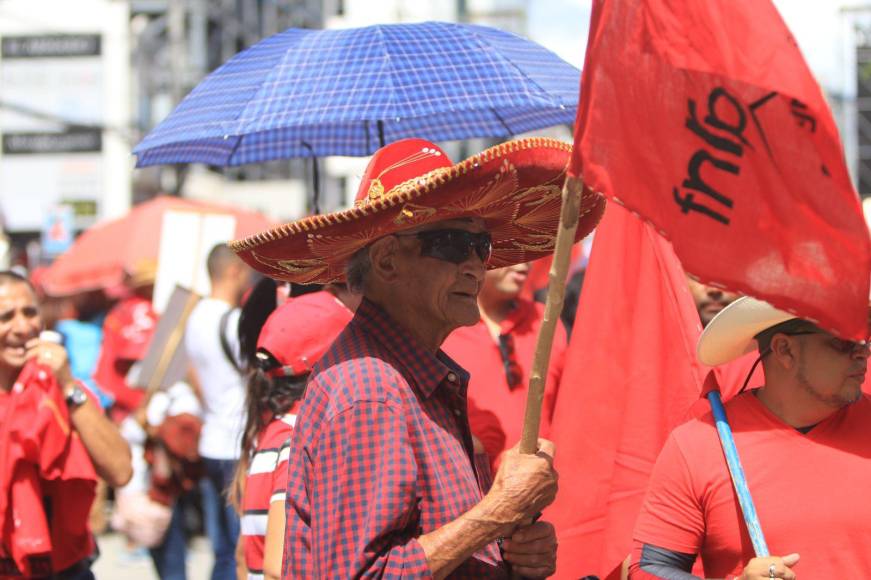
(730, 334)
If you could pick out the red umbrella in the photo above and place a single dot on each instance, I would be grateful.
(100, 257)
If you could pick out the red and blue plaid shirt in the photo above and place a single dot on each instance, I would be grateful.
(381, 454)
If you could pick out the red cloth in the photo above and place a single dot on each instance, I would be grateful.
(703, 118)
(266, 483)
(474, 349)
(127, 332)
(807, 490)
(43, 463)
(631, 376)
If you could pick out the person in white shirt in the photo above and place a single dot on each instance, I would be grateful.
(212, 345)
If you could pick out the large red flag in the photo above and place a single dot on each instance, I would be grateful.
(703, 118)
(631, 376)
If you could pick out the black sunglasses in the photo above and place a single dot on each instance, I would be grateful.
(848, 347)
(454, 246)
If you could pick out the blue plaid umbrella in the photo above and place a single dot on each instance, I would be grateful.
(304, 93)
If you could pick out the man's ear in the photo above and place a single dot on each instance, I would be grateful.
(383, 256)
(783, 350)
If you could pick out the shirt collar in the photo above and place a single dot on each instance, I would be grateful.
(521, 311)
(427, 370)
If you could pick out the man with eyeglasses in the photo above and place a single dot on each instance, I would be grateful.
(498, 353)
(382, 478)
(804, 439)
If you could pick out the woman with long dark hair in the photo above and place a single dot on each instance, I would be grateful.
(292, 339)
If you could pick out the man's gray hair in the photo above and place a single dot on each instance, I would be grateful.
(357, 270)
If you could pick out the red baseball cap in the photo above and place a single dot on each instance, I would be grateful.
(300, 331)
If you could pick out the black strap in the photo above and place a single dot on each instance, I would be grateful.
(225, 344)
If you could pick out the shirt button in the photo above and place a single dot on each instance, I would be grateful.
(457, 412)
(452, 377)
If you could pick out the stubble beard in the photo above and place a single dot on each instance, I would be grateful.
(843, 397)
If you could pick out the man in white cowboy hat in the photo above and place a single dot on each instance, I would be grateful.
(382, 478)
(804, 439)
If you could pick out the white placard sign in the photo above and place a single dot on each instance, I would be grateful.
(186, 238)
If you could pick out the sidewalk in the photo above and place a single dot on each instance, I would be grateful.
(115, 563)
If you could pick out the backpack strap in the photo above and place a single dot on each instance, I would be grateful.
(225, 344)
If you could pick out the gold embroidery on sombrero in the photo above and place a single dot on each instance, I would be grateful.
(312, 268)
(539, 194)
(536, 243)
(539, 216)
(412, 212)
(492, 194)
(376, 188)
(331, 247)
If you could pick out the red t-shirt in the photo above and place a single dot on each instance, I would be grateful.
(495, 410)
(47, 483)
(266, 483)
(808, 491)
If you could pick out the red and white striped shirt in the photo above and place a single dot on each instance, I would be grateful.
(266, 483)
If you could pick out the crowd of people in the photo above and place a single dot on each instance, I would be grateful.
(362, 421)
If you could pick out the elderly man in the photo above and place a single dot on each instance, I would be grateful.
(804, 438)
(382, 479)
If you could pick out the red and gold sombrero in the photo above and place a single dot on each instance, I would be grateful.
(513, 187)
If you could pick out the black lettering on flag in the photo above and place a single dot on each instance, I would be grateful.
(725, 115)
(714, 120)
(695, 181)
(802, 115)
(688, 204)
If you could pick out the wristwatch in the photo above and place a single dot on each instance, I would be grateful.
(75, 397)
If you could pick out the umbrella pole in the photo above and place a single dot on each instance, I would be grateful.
(565, 237)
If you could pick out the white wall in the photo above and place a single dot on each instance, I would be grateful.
(110, 19)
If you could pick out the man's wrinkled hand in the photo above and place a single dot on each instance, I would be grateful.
(525, 483)
(770, 567)
(531, 550)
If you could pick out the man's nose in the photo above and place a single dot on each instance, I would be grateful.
(714, 293)
(474, 267)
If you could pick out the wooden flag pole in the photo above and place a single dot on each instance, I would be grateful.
(565, 237)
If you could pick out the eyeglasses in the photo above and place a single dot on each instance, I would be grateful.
(454, 246)
(847, 347)
(513, 372)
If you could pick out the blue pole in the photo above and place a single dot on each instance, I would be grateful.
(739, 481)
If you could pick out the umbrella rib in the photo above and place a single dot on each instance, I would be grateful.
(501, 120)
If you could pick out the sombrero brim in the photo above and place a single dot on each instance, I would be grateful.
(730, 333)
(513, 187)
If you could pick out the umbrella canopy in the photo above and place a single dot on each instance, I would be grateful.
(304, 93)
(102, 255)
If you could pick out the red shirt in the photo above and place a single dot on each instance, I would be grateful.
(381, 454)
(266, 483)
(496, 406)
(47, 480)
(127, 332)
(808, 490)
